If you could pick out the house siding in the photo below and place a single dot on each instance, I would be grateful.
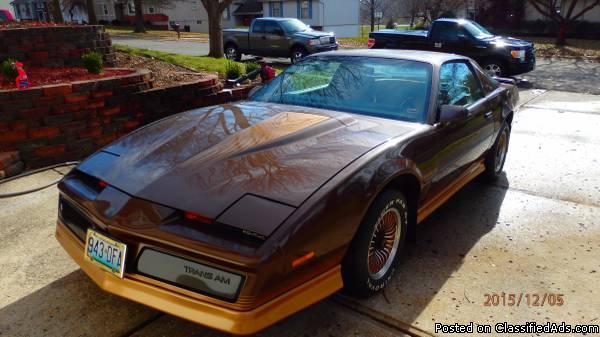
(338, 16)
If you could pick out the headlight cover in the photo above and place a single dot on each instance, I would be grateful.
(256, 216)
(518, 54)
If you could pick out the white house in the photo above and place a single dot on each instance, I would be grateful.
(339, 16)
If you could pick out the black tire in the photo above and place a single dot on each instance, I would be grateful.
(494, 67)
(360, 274)
(232, 52)
(297, 54)
(494, 159)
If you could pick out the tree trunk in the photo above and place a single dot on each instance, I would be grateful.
(139, 17)
(563, 28)
(372, 15)
(215, 31)
(91, 11)
(56, 11)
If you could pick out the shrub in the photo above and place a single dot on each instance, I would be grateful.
(251, 66)
(9, 70)
(233, 70)
(92, 61)
(390, 24)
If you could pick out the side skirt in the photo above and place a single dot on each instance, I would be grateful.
(443, 196)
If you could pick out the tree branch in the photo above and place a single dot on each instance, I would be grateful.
(586, 9)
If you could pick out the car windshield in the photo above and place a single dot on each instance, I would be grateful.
(477, 30)
(388, 88)
(293, 26)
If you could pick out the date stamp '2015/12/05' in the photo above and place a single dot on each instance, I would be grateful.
(503, 299)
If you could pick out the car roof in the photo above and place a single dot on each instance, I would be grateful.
(431, 57)
(273, 19)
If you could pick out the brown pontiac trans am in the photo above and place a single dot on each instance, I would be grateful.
(238, 215)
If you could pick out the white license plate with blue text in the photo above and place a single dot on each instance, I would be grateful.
(105, 252)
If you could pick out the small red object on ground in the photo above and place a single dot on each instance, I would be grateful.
(22, 82)
(267, 73)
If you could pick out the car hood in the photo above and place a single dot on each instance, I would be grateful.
(205, 160)
(508, 41)
(312, 34)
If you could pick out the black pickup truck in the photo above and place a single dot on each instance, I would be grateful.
(499, 56)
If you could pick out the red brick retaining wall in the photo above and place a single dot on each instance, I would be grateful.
(57, 123)
(54, 46)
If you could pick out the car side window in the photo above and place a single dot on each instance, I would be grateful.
(3, 17)
(259, 27)
(448, 31)
(271, 27)
(458, 85)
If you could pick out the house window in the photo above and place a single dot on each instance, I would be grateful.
(305, 10)
(227, 13)
(151, 10)
(194, 5)
(105, 9)
(276, 8)
(131, 8)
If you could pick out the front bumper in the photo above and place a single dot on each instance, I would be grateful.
(208, 314)
(520, 67)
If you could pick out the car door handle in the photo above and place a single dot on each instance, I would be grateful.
(264, 37)
(488, 114)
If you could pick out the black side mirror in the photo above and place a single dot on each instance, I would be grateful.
(278, 31)
(451, 113)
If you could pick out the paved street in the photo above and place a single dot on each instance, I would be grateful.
(535, 231)
(551, 74)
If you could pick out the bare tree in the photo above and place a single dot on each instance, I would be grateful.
(139, 17)
(564, 19)
(435, 8)
(56, 11)
(91, 11)
(214, 9)
(369, 7)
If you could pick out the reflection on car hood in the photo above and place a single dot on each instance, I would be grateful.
(508, 41)
(204, 160)
(312, 34)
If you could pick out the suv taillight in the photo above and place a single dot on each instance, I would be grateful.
(371, 42)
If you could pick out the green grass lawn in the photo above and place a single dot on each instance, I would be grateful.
(198, 63)
(151, 32)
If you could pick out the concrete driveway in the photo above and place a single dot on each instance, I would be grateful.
(551, 74)
(536, 231)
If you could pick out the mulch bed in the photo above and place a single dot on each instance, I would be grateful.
(43, 76)
(29, 24)
(164, 74)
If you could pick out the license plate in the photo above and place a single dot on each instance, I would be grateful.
(105, 252)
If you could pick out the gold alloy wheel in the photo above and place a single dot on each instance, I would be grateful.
(501, 151)
(384, 243)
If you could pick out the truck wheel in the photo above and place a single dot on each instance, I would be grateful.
(298, 53)
(232, 52)
(372, 257)
(494, 68)
(496, 156)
